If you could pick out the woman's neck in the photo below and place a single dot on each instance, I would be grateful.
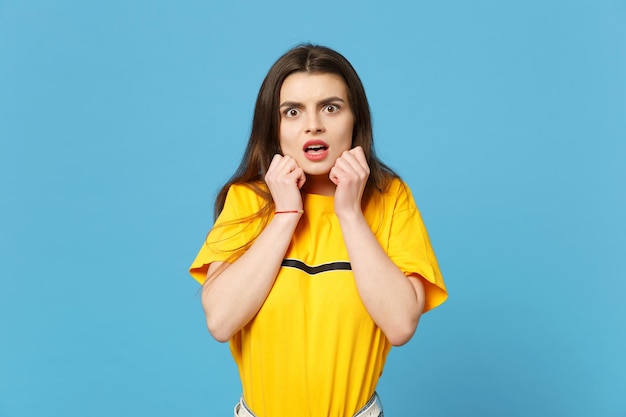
(319, 184)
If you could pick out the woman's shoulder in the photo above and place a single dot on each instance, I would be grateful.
(253, 189)
(395, 188)
(399, 195)
(248, 195)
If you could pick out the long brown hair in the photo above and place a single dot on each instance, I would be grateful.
(264, 142)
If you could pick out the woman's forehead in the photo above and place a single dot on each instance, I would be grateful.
(304, 86)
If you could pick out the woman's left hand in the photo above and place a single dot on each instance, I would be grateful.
(349, 174)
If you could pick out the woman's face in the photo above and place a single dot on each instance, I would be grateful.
(316, 120)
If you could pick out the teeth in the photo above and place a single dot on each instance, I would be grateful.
(315, 148)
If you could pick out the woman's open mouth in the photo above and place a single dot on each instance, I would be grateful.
(315, 150)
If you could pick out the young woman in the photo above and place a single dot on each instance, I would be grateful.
(318, 261)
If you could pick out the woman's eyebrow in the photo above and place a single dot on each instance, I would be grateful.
(290, 104)
(331, 99)
(322, 101)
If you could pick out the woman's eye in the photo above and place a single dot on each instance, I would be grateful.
(331, 108)
(292, 112)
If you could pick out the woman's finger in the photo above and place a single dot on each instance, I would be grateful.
(359, 155)
(349, 163)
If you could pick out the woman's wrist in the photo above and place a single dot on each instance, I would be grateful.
(350, 216)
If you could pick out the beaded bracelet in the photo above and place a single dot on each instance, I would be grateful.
(289, 211)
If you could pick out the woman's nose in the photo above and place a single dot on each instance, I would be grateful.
(314, 123)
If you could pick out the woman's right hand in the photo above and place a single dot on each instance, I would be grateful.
(249, 279)
(284, 179)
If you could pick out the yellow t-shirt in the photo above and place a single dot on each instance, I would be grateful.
(312, 349)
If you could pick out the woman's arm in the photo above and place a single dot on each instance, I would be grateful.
(395, 302)
(234, 293)
(231, 298)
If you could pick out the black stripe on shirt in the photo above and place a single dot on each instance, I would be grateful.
(312, 270)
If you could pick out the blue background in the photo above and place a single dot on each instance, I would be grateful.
(119, 121)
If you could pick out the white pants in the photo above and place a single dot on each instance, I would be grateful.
(373, 408)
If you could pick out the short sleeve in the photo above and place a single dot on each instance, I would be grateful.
(232, 231)
(410, 248)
